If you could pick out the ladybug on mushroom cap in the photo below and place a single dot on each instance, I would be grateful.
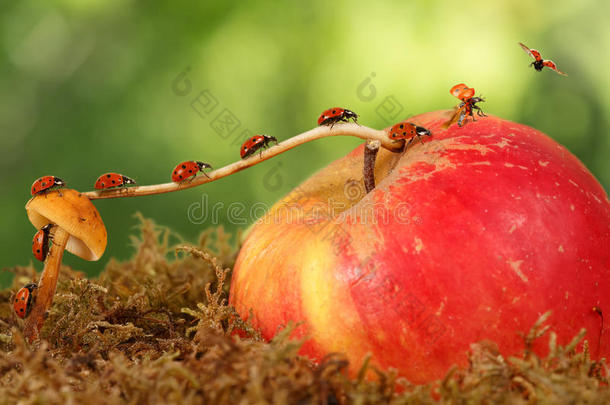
(46, 183)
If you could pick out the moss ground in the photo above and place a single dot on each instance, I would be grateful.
(157, 329)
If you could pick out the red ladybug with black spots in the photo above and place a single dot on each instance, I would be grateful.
(540, 63)
(254, 144)
(186, 170)
(46, 183)
(110, 180)
(337, 114)
(40, 243)
(408, 130)
(24, 299)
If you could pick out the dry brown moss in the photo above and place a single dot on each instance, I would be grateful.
(157, 329)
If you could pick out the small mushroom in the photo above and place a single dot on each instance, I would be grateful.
(78, 229)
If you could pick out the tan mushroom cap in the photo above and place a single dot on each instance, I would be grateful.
(77, 215)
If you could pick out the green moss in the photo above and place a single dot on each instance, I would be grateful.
(157, 329)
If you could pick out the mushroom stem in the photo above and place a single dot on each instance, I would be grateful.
(349, 129)
(46, 286)
(370, 154)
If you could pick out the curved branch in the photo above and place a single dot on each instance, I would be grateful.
(348, 129)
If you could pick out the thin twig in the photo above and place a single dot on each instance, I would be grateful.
(348, 129)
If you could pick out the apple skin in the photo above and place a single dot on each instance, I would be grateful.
(472, 236)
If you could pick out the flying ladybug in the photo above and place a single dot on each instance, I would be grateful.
(467, 106)
(540, 63)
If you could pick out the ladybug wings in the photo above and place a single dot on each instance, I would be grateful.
(551, 65)
(457, 89)
(462, 92)
(458, 115)
(531, 52)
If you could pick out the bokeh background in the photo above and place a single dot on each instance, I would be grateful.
(89, 86)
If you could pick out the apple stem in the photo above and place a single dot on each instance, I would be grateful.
(348, 129)
(370, 154)
(46, 287)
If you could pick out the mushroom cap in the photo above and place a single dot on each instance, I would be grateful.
(77, 215)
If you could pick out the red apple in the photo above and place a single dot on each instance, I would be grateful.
(472, 235)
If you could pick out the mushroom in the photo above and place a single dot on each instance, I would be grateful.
(79, 229)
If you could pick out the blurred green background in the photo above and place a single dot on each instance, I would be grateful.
(136, 87)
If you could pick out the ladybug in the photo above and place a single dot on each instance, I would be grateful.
(408, 130)
(466, 107)
(24, 300)
(334, 115)
(40, 244)
(45, 183)
(255, 143)
(540, 63)
(188, 169)
(109, 180)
